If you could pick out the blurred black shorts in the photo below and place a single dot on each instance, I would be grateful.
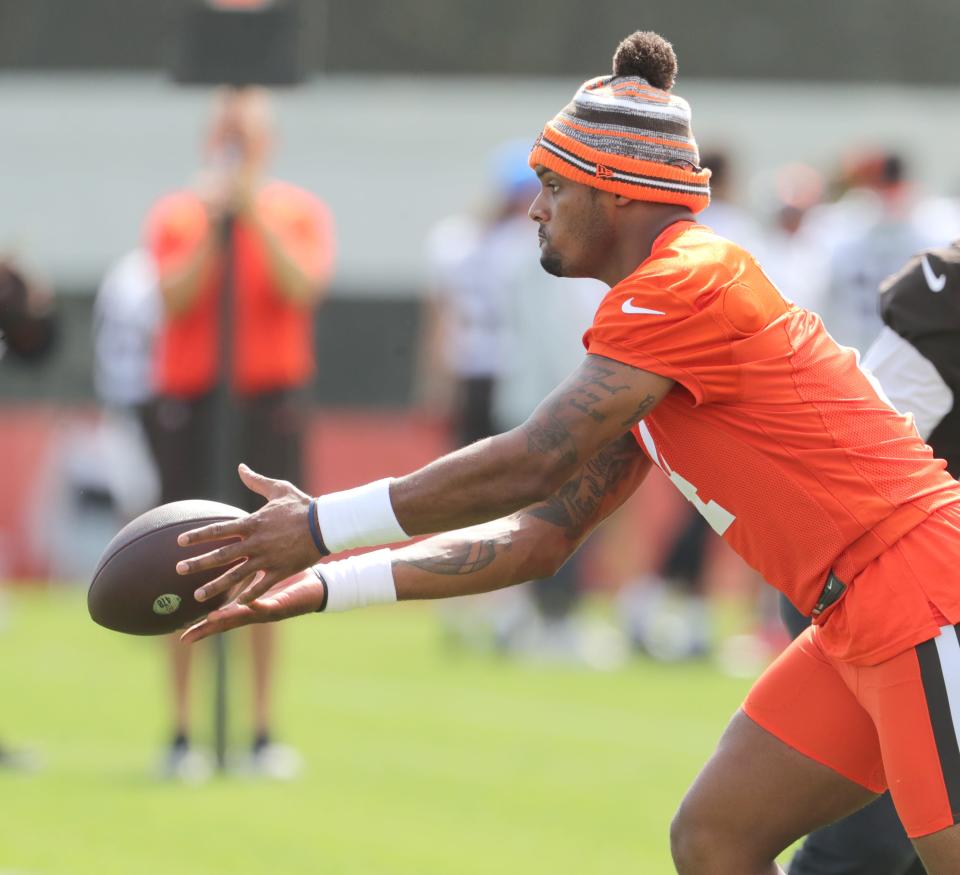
(267, 434)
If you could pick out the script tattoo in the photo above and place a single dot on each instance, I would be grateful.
(640, 412)
(574, 506)
(591, 387)
(583, 392)
(459, 558)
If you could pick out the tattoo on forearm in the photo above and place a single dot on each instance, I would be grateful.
(574, 506)
(640, 412)
(592, 385)
(462, 558)
(545, 437)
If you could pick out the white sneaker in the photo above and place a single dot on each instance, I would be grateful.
(18, 760)
(279, 762)
(185, 764)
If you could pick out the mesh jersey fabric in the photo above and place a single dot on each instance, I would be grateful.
(773, 431)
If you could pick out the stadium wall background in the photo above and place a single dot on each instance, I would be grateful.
(365, 355)
(83, 155)
(865, 40)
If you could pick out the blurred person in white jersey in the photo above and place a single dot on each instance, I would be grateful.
(493, 344)
(471, 258)
(879, 221)
(793, 258)
(666, 613)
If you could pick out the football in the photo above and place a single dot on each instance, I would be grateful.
(136, 588)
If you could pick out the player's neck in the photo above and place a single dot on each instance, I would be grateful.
(640, 225)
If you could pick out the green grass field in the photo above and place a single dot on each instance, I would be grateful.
(418, 760)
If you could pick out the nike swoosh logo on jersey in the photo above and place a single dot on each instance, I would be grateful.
(934, 283)
(628, 307)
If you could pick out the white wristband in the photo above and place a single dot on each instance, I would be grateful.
(361, 517)
(357, 581)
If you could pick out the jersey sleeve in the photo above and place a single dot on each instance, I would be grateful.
(921, 304)
(642, 326)
(909, 380)
(688, 324)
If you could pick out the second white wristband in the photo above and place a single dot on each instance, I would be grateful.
(357, 581)
(361, 517)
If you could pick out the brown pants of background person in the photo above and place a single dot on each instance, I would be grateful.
(269, 438)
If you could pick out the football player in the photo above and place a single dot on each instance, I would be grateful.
(696, 365)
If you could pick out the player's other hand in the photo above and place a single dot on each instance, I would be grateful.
(302, 594)
(274, 543)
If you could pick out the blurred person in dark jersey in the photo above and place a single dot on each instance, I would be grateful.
(28, 324)
(282, 254)
(27, 336)
(916, 358)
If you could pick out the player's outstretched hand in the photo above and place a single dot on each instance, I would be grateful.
(302, 594)
(273, 544)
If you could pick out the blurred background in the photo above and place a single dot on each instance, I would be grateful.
(552, 728)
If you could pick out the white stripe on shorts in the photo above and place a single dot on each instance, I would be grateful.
(948, 648)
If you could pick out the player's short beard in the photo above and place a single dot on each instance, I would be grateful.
(593, 233)
(551, 263)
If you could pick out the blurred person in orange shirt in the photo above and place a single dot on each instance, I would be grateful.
(282, 253)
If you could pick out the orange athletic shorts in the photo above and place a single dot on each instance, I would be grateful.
(892, 725)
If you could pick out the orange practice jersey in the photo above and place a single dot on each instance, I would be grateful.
(273, 335)
(773, 431)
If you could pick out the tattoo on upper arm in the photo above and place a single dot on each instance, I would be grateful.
(574, 506)
(460, 558)
(592, 384)
(640, 412)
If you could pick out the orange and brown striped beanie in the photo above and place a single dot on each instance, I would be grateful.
(627, 133)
